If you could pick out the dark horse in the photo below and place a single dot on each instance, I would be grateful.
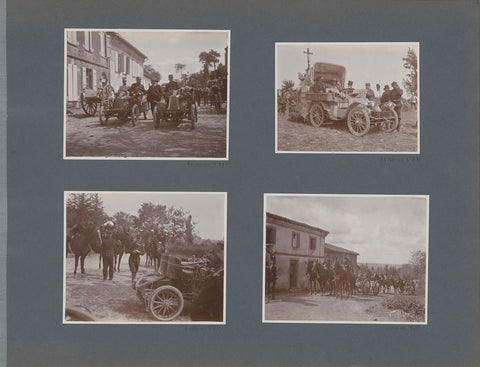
(322, 278)
(311, 274)
(82, 242)
(155, 247)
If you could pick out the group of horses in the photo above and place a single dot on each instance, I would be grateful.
(338, 279)
(82, 240)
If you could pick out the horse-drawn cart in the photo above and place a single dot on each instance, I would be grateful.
(164, 293)
(89, 101)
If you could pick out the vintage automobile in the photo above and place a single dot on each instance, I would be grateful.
(332, 103)
(122, 107)
(164, 293)
(181, 108)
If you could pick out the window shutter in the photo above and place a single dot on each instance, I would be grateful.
(84, 77)
(91, 40)
(69, 82)
(115, 60)
(95, 80)
(75, 82)
(102, 44)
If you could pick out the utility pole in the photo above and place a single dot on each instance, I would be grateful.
(308, 58)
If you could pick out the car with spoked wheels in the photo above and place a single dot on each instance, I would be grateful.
(330, 102)
(164, 293)
(181, 108)
(124, 107)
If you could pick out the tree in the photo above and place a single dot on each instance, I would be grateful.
(124, 221)
(179, 68)
(419, 260)
(189, 236)
(410, 83)
(151, 72)
(214, 55)
(287, 84)
(207, 59)
(85, 208)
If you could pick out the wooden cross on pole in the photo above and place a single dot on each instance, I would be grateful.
(308, 58)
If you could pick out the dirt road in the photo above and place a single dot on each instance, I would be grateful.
(85, 137)
(306, 307)
(335, 137)
(109, 300)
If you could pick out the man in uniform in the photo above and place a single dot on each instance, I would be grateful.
(370, 94)
(350, 88)
(396, 97)
(171, 86)
(318, 86)
(124, 88)
(108, 250)
(154, 94)
(386, 95)
(137, 86)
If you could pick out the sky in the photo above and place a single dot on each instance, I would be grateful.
(164, 49)
(381, 229)
(207, 210)
(364, 62)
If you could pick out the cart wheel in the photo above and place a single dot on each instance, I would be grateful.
(391, 124)
(89, 107)
(166, 303)
(103, 113)
(358, 121)
(158, 114)
(316, 115)
(139, 285)
(193, 116)
(122, 116)
(135, 114)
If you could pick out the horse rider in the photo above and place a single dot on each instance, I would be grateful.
(108, 250)
(124, 88)
(396, 97)
(154, 94)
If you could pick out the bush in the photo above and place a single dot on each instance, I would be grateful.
(410, 305)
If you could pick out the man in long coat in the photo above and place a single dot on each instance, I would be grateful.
(396, 97)
(154, 94)
(108, 253)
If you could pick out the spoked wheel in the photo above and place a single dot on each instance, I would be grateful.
(122, 116)
(391, 123)
(135, 114)
(166, 303)
(89, 107)
(358, 121)
(316, 115)
(103, 113)
(193, 116)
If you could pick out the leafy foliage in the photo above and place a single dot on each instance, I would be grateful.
(287, 85)
(410, 83)
(408, 304)
(419, 261)
(208, 58)
(85, 208)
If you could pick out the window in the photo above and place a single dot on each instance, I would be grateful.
(121, 65)
(115, 60)
(127, 63)
(295, 239)
(87, 42)
(313, 244)
(89, 79)
(72, 37)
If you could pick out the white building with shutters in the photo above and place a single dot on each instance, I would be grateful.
(126, 60)
(95, 55)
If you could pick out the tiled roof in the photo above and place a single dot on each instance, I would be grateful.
(294, 222)
(329, 246)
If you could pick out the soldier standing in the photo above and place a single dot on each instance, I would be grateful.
(124, 88)
(154, 94)
(108, 251)
(350, 88)
(396, 97)
(370, 94)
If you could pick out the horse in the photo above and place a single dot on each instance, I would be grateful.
(350, 281)
(82, 242)
(338, 279)
(155, 248)
(329, 275)
(322, 278)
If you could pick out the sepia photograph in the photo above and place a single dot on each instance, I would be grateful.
(146, 94)
(352, 259)
(144, 257)
(347, 97)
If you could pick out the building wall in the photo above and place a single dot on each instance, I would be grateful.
(87, 62)
(125, 61)
(292, 261)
